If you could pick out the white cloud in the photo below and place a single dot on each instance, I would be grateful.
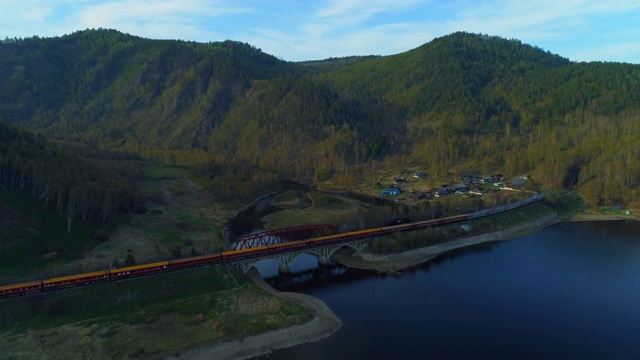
(362, 8)
(174, 19)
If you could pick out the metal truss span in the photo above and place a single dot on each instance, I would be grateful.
(278, 236)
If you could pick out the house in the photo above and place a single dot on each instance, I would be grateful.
(460, 188)
(420, 174)
(392, 191)
(443, 191)
(517, 183)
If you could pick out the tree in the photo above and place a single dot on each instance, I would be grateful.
(130, 260)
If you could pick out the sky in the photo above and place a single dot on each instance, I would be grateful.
(298, 30)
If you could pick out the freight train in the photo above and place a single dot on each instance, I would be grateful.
(237, 255)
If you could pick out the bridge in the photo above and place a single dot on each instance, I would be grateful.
(283, 235)
(322, 251)
(275, 244)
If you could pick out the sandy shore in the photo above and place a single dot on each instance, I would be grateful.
(325, 322)
(397, 262)
(596, 217)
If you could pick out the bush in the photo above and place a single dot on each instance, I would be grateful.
(130, 260)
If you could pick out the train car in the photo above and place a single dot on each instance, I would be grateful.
(20, 289)
(398, 221)
(139, 270)
(289, 246)
(368, 233)
(244, 253)
(326, 240)
(74, 280)
(195, 261)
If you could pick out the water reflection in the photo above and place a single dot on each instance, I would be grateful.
(268, 268)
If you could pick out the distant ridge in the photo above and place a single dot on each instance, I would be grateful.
(461, 101)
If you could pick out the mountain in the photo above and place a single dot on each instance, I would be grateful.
(160, 93)
(462, 102)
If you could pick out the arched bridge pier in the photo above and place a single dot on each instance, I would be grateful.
(323, 253)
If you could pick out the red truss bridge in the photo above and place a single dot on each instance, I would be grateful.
(283, 235)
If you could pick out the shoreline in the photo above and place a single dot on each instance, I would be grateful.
(394, 263)
(325, 322)
(596, 217)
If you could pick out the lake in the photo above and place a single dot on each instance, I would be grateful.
(571, 290)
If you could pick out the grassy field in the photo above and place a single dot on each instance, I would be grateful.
(152, 315)
(325, 209)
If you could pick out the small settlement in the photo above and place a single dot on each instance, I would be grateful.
(470, 184)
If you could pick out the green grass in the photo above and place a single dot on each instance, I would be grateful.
(326, 209)
(567, 203)
(170, 236)
(321, 200)
(151, 315)
(119, 300)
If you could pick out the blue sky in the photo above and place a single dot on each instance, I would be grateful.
(295, 30)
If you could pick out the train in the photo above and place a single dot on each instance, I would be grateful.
(241, 254)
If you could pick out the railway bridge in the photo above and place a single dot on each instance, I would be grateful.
(280, 236)
(281, 245)
(322, 252)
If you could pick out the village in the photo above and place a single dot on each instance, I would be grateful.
(416, 187)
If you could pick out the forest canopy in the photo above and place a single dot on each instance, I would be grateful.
(238, 116)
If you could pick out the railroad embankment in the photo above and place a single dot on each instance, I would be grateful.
(410, 258)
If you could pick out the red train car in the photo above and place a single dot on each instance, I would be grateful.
(139, 270)
(20, 289)
(195, 261)
(73, 280)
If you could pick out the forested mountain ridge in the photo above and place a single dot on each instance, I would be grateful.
(104, 88)
(461, 102)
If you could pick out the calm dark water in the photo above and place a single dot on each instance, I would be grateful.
(569, 291)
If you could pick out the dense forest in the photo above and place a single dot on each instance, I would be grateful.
(242, 119)
(75, 182)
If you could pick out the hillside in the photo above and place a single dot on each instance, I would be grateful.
(460, 103)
